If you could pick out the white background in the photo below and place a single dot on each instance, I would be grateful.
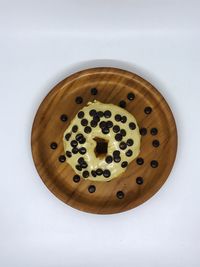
(41, 42)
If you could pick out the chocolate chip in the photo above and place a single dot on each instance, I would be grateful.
(74, 128)
(143, 131)
(82, 150)
(82, 141)
(116, 153)
(106, 173)
(67, 136)
(132, 125)
(84, 165)
(154, 131)
(92, 112)
(147, 110)
(130, 96)
(93, 173)
(81, 160)
(109, 159)
(129, 142)
(85, 174)
(124, 164)
(129, 153)
(123, 119)
(102, 124)
(122, 104)
(105, 131)
(99, 172)
(74, 143)
(93, 123)
(87, 129)
(75, 150)
(122, 145)
(91, 188)
(79, 100)
(139, 180)
(109, 124)
(139, 161)
(118, 117)
(123, 132)
(84, 122)
(96, 118)
(53, 145)
(107, 114)
(117, 159)
(120, 194)
(155, 143)
(63, 117)
(81, 114)
(94, 91)
(76, 178)
(116, 129)
(154, 164)
(68, 154)
(62, 158)
(118, 137)
(79, 137)
(100, 114)
(78, 167)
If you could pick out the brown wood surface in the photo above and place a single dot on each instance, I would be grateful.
(113, 85)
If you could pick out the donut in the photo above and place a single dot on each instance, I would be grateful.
(101, 141)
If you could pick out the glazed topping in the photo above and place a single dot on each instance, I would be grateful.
(101, 141)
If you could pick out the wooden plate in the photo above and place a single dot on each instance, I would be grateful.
(126, 191)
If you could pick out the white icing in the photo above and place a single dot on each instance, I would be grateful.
(90, 157)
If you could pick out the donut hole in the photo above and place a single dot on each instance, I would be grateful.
(101, 148)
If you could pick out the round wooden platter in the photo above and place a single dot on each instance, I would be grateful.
(113, 85)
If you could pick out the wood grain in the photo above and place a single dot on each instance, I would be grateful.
(113, 85)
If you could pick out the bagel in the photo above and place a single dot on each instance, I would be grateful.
(101, 141)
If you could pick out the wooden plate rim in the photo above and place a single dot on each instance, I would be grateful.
(128, 74)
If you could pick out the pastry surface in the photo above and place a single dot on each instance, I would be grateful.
(101, 141)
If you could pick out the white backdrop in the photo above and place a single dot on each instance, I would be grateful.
(41, 42)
